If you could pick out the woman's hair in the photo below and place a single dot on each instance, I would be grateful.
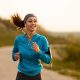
(19, 22)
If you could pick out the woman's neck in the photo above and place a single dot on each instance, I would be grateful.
(30, 35)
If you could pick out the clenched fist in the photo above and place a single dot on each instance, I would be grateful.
(35, 47)
(16, 56)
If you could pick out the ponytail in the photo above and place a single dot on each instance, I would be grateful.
(17, 21)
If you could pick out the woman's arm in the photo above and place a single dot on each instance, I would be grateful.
(43, 54)
(15, 54)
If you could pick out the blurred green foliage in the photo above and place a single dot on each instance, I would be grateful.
(73, 52)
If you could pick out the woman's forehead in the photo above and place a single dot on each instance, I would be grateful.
(32, 18)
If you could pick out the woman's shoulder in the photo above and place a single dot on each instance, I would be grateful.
(19, 36)
(43, 37)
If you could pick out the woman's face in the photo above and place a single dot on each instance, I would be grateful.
(31, 24)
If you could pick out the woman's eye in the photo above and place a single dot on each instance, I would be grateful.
(32, 21)
(29, 21)
(35, 21)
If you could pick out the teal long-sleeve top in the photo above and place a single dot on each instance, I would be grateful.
(30, 61)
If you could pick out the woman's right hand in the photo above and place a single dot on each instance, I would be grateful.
(16, 56)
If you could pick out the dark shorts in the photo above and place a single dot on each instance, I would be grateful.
(22, 76)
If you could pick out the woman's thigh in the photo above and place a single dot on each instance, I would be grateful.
(22, 76)
(37, 77)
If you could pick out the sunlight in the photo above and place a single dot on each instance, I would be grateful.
(54, 15)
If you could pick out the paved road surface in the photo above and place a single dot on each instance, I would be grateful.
(8, 68)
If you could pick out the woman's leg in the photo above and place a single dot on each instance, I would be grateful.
(21, 76)
(37, 77)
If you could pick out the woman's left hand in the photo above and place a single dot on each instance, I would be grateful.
(35, 47)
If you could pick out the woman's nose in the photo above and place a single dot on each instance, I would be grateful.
(33, 22)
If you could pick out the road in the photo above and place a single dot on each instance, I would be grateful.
(8, 68)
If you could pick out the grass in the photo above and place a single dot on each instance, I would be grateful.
(65, 68)
(7, 37)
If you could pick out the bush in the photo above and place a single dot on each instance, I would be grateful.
(73, 52)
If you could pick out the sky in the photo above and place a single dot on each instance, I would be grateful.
(53, 15)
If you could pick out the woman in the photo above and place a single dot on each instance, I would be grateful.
(30, 49)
